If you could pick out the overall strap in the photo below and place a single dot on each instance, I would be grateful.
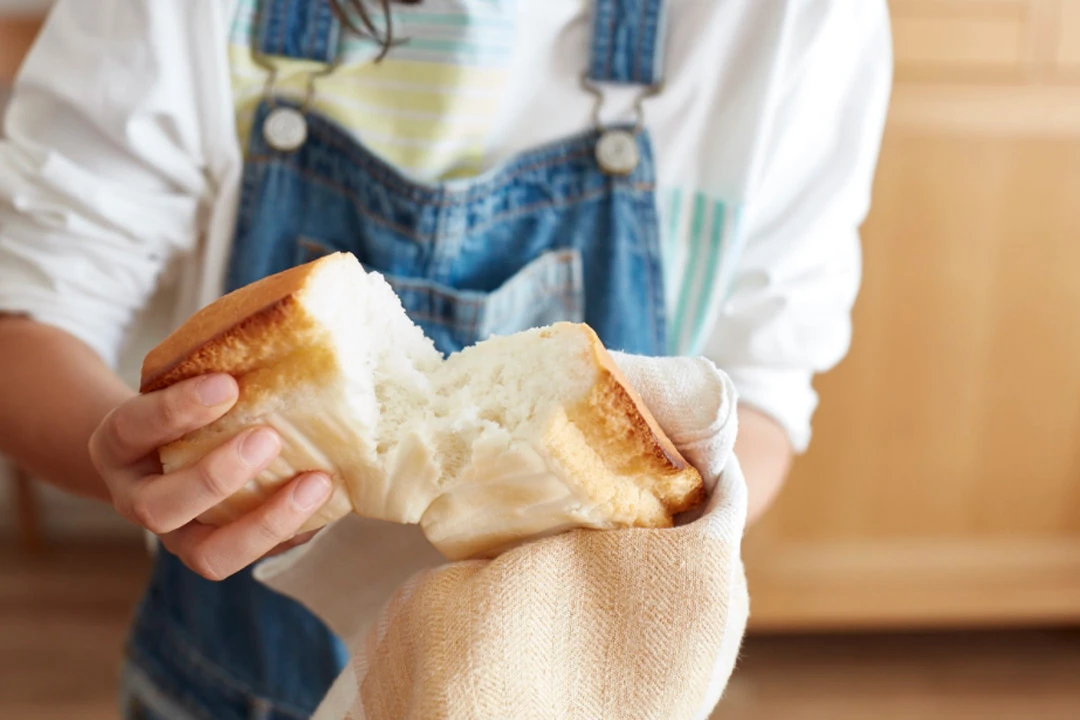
(627, 42)
(298, 29)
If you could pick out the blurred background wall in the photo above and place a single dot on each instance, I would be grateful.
(942, 487)
(943, 484)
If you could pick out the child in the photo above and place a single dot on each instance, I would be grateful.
(686, 177)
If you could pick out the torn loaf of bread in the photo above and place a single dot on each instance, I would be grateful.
(515, 438)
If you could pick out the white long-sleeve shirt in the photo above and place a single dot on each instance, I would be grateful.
(125, 130)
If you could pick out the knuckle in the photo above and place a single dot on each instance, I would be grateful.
(143, 515)
(212, 479)
(121, 430)
(272, 529)
(173, 409)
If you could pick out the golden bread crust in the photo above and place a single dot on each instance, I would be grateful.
(616, 417)
(241, 331)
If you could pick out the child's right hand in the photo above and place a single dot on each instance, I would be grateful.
(124, 451)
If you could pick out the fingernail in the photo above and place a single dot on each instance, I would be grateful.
(312, 490)
(216, 390)
(258, 447)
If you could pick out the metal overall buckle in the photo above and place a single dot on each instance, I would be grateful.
(286, 128)
(617, 149)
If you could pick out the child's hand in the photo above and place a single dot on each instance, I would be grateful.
(124, 450)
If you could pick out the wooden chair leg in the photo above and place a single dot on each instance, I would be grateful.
(27, 512)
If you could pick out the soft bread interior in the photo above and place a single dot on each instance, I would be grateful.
(552, 441)
(515, 438)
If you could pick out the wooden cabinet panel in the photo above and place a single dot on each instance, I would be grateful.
(994, 42)
(1067, 46)
(987, 40)
(937, 38)
(943, 484)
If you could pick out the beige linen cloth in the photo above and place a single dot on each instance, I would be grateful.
(634, 624)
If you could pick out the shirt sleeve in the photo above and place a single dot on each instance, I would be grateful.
(788, 313)
(101, 169)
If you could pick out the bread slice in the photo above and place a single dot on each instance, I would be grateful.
(514, 438)
(325, 355)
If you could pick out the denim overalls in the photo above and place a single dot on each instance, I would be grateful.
(563, 232)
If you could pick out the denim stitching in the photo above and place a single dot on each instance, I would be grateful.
(471, 325)
(554, 154)
(641, 33)
(656, 318)
(265, 23)
(287, 34)
(168, 686)
(283, 38)
(598, 50)
(307, 44)
(468, 327)
(557, 260)
(249, 182)
(198, 663)
(319, 31)
(271, 26)
(563, 286)
(380, 171)
(388, 176)
(568, 293)
(423, 286)
(548, 157)
(610, 40)
(491, 221)
(658, 40)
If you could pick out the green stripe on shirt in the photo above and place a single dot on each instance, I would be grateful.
(687, 289)
(710, 270)
(699, 261)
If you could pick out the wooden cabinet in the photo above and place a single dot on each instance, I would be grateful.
(943, 484)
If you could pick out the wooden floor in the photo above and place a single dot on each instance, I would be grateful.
(1001, 676)
(62, 624)
(63, 617)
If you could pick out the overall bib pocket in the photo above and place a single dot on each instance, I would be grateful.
(547, 290)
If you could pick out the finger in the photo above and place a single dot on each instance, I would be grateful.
(197, 533)
(167, 502)
(143, 424)
(295, 542)
(218, 553)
